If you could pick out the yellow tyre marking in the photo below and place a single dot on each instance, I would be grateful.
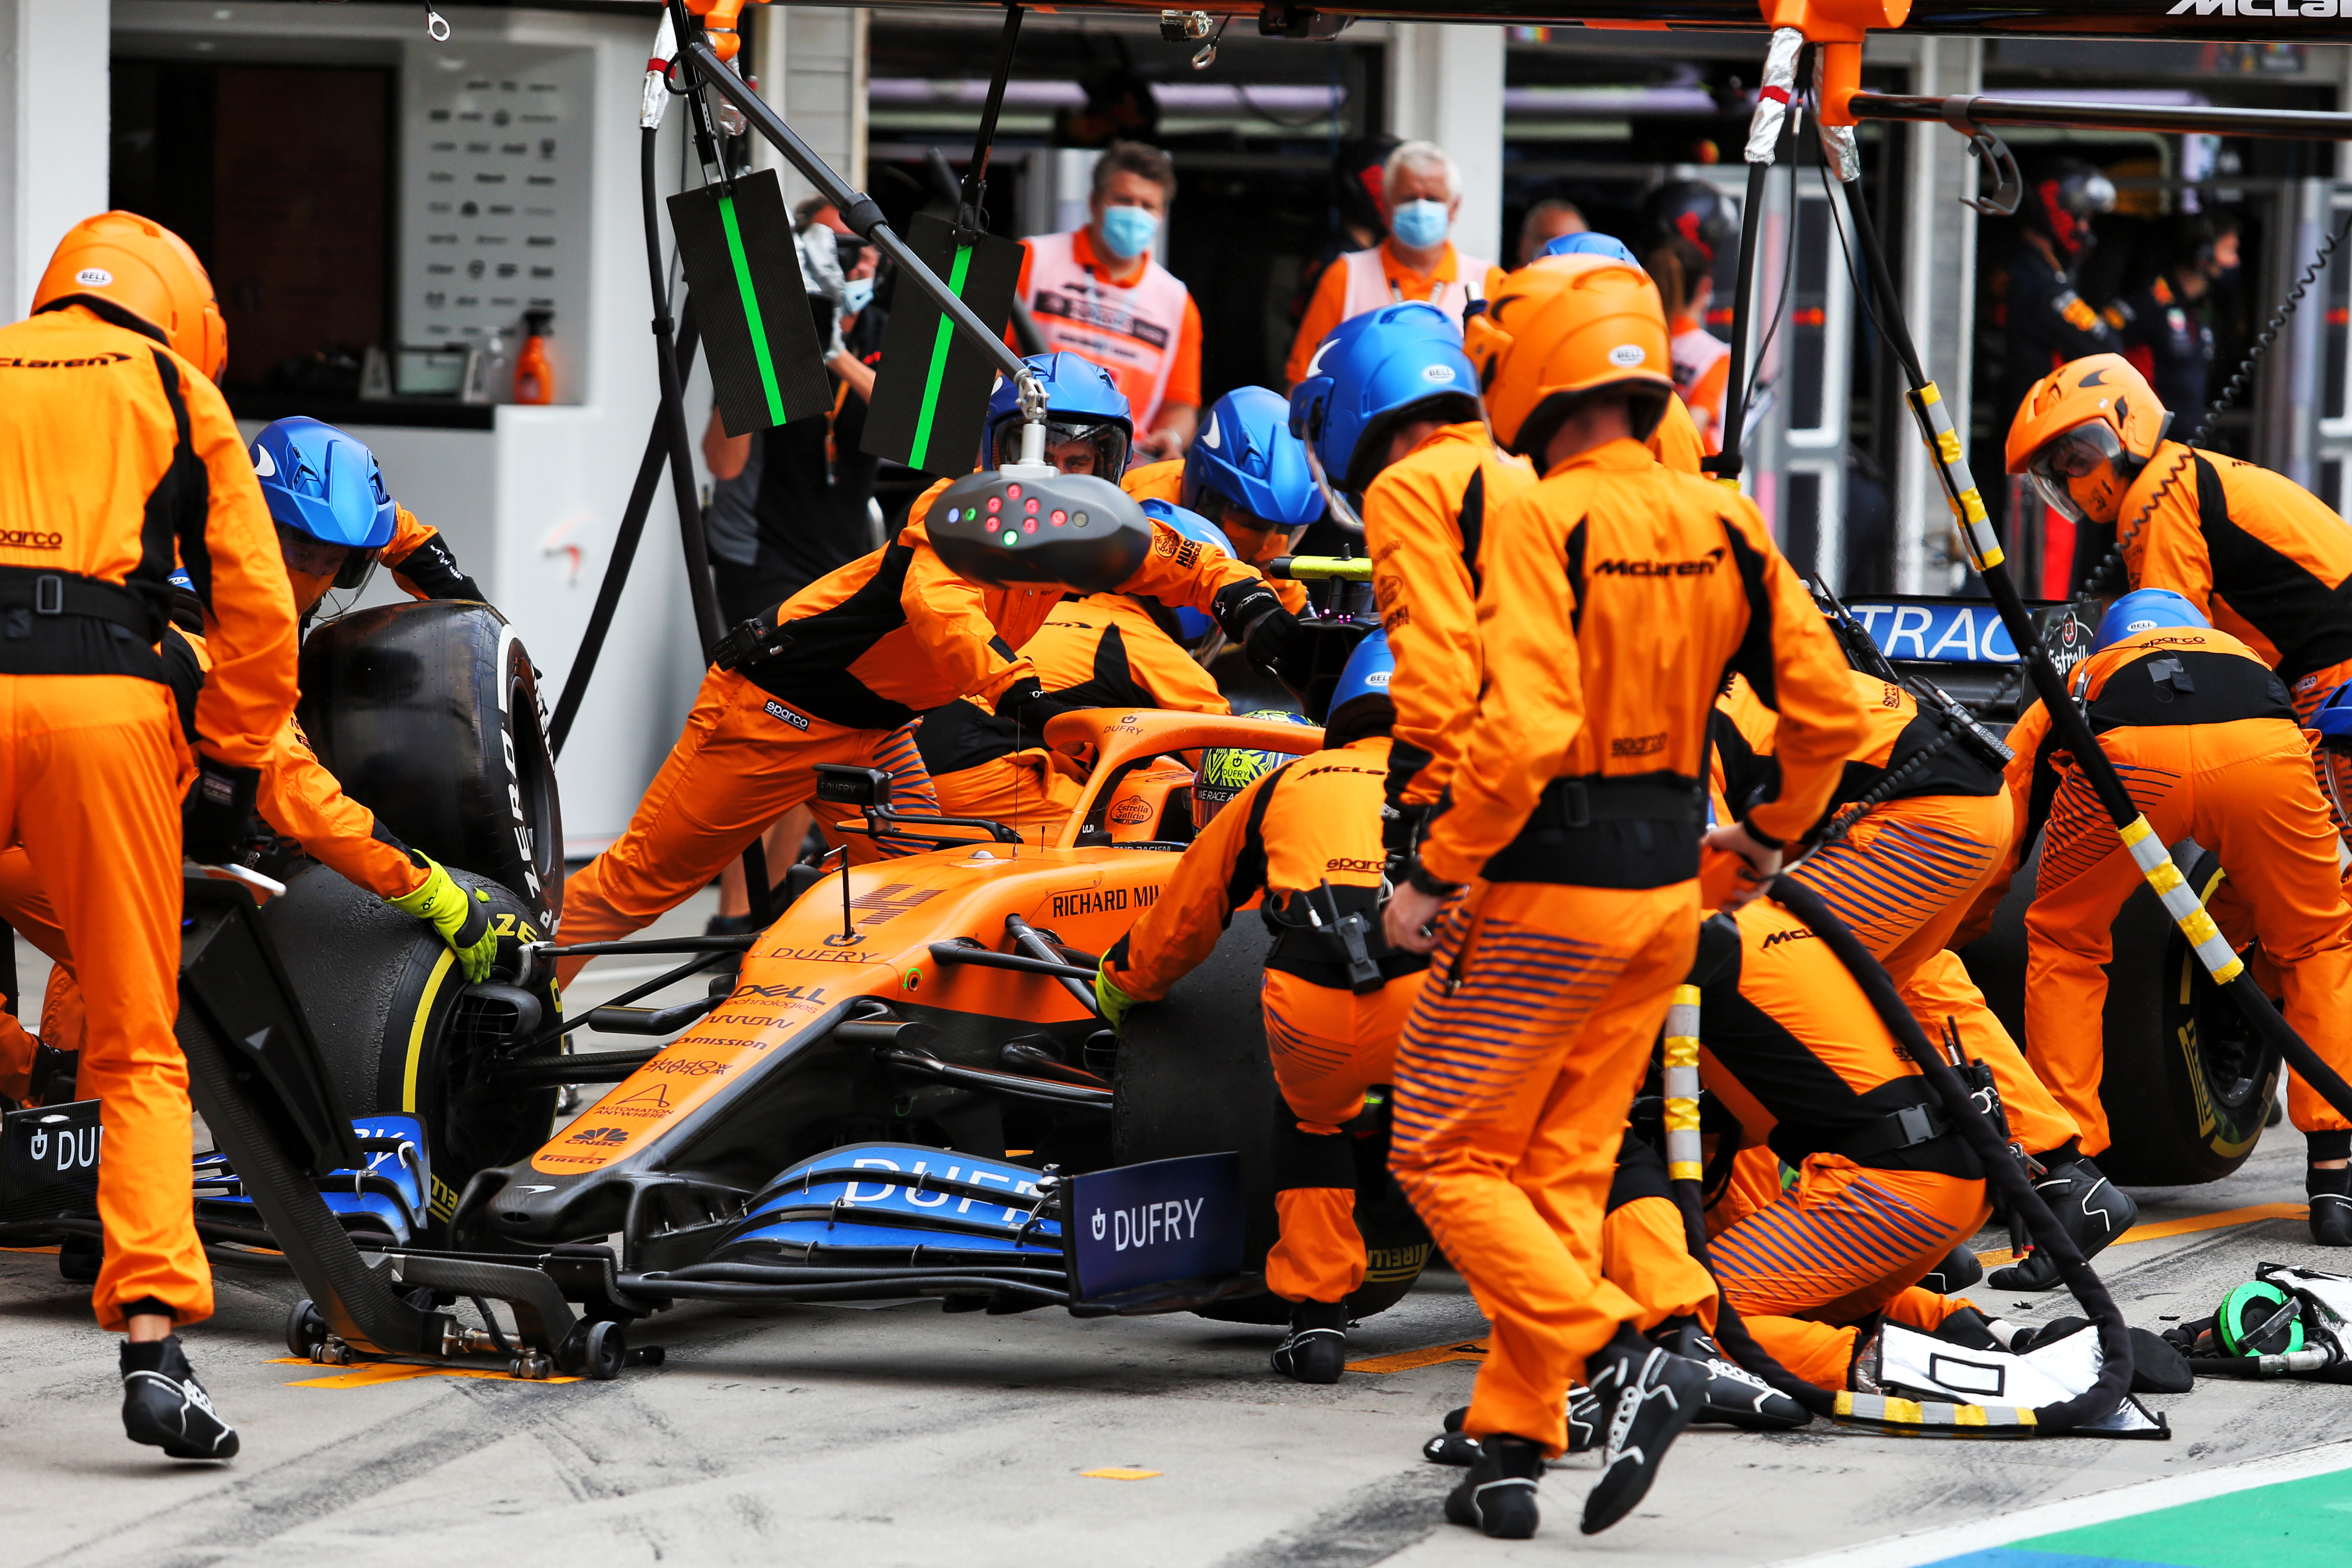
(417, 1028)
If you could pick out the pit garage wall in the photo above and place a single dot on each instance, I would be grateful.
(531, 506)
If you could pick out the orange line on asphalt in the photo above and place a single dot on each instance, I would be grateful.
(1406, 1361)
(2158, 1230)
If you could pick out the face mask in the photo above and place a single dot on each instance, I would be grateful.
(1127, 232)
(856, 293)
(1420, 225)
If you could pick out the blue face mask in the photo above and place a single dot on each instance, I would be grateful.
(1420, 225)
(1127, 232)
(856, 293)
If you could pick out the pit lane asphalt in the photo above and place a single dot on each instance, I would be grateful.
(902, 1435)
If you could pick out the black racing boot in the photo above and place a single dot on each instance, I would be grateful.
(163, 1404)
(1499, 1495)
(1454, 1447)
(1735, 1395)
(1651, 1396)
(2093, 1211)
(1317, 1349)
(2331, 1205)
(1958, 1270)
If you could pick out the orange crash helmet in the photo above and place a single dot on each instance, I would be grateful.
(122, 265)
(2084, 433)
(1559, 330)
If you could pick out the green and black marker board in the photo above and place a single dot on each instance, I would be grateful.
(930, 395)
(767, 367)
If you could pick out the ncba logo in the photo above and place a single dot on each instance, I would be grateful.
(1703, 567)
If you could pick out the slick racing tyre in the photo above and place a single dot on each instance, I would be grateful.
(2186, 1084)
(398, 1027)
(428, 714)
(1192, 1078)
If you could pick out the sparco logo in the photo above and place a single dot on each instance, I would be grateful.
(1703, 567)
(26, 539)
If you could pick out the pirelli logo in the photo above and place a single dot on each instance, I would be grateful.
(1703, 567)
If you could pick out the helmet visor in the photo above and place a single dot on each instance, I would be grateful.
(1073, 446)
(2076, 469)
(2335, 774)
(1256, 540)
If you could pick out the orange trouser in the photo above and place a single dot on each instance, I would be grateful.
(26, 908)
(1845, 1240)
(1903, 878)
(91, 770)
(2243, 789)
(1754, 1181)
(1024, 791)
(1514, 1076)
(2309, 692)
(736, 769)
(1822, 1353)
(1644, 1248)
(1329, 1046)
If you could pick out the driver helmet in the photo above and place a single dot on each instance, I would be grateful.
(2062, 196)
(1360, 703)
(1088, 428)
(1247, 474)
(1193, 627)
(1691, 210)
(2145, 609)
(2332, 720)
(323, 488)
(1591, 244)
(1226, 771)
(2083, 435)
(1372, 375)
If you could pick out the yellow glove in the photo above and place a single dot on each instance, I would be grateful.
(1110, 1000)
(464, 923)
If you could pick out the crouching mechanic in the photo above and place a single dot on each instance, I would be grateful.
(1105, 650)
(838, 670)
(1617, 594)
(1308, 836)
(2205, 737)
(1247, 474)
(116, 451)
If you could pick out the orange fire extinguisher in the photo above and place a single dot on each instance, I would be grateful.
(534, 379)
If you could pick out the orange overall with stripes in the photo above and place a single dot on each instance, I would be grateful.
(1307, 834)
(1905, 872)
(1616, 595)
(2209, 748)
(1884, 1186)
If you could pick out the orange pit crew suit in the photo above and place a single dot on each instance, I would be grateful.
(1312, 824)
(114, 452)
(1102, 651)
(1164, 481)
(1616, 595)
(1906, 873)
(2209, 747)
(845, 664)
(1885, 1186)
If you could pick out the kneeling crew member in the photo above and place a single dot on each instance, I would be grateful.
(1617, 596)
(120, 450)
(2205, 737)
(1247, 474)
(839, 669)
(1307, 834)
(1105, 650)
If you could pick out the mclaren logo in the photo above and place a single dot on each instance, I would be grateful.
(1703, 567)
(2313, 8)
(1776, 938)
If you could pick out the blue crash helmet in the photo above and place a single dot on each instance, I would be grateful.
(1591, 245)
(1082, 404)
(1194, 627)
(326, 485)
(1247, 472)
(1360, 703)
(1375, 372)
(2145, 609)
(2333, 720)
(1226, 771)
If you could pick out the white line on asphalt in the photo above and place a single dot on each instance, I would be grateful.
(1928, 1546)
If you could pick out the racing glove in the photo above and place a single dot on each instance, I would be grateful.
(431, 569)
(216, 816)
(1249, 613)
(1028, 704)
(463, 921)
(1110, 1000)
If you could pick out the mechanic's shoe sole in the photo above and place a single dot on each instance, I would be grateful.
(2093, 1210)
(1498, 1496)
(165, 1407)
(1457, 1448)
(1735, 1395)
(1312, 1355)
(1652, 1395)
(2330, 1193)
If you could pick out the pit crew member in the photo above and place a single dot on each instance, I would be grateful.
(1247, 474)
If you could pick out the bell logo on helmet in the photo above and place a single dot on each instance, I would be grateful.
(94, 277)
(1379, 679)
(1625, 356)
(1441, 374)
